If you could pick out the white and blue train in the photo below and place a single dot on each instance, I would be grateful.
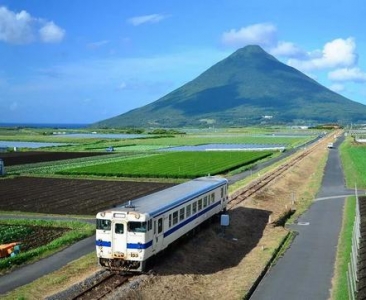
(127, 237)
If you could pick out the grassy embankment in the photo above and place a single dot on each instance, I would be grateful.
(354, 166)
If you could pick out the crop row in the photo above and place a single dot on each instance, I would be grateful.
(10, 234)
(174, 165)
(74, 231)
(51, 167)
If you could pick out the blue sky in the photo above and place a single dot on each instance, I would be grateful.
(78, 61)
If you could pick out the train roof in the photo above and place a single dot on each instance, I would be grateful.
(159, 202)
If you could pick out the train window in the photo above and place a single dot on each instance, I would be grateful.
(137, 226)
(170, 220)
(160, 225)
(194, 207)
(118, 228)
(212, 197)
(104, 224)
(154, 226)
(175, 217)
(205, 201)
(181, 214)
(222, 192)
(149, 225)
(188, 210)
(199, 204)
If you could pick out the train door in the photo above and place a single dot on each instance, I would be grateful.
(119, 240)
(158, 235)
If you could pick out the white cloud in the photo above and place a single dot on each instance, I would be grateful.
(335, 54)
(263, 34)
(287, 49)
(154, 18)
(51, 33)
(15, 28)
(348, 74)
(21, 28)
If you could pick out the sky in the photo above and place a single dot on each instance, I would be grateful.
(82, 61)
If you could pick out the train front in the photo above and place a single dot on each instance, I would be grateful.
(121, 240)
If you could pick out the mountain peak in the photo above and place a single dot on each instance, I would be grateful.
(251, 52)
(241, 89)
(251, 49)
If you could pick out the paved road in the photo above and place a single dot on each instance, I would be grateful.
(45, 266)
(306, 270)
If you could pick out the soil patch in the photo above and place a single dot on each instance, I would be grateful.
(19, 158)
(70, 196)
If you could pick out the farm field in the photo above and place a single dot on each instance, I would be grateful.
(69, 196)
(174, 165)
(38, 238)
(286, 137)
(26, 157)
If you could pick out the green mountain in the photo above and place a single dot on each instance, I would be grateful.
(248, 87)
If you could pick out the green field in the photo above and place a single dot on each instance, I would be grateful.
(174, 164)
(125, 149)
(354, 164)
(286, 137)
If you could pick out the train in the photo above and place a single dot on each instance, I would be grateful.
(130, 236)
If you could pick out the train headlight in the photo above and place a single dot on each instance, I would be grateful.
(118, 254)
(134, 254)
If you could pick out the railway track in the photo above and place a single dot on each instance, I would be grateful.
(103, 287)
(267, 178)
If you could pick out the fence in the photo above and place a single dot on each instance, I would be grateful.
(353, 263)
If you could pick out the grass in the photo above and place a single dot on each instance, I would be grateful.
(354, 163)
(340, 285)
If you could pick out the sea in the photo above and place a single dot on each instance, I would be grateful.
(45, 125)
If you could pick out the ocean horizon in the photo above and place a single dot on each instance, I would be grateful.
(46, 125)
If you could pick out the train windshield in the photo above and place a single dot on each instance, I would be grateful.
(137, 226)
(103, 224)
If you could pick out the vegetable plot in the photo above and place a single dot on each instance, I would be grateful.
(174, 165)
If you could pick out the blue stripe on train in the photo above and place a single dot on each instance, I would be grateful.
(129, 245)
(103, 243)
(139, 245)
